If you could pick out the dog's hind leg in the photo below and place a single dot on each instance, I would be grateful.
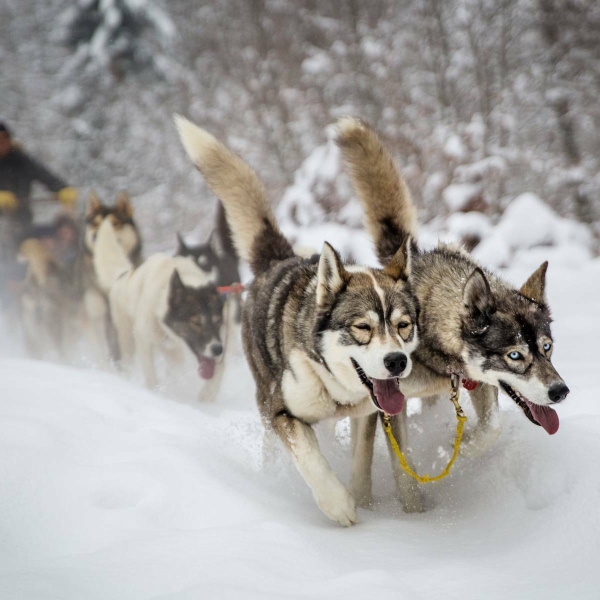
(485, 402)
(408, 489)
(362, 432)
(330, 494)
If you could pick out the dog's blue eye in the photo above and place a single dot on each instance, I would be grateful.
(547, 346)
(515, 356)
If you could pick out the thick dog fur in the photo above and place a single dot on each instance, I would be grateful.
(319, 335)
(95, 302)
(165, 304)
(471, 322)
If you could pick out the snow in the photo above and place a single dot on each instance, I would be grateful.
(112, 491)
(458, 195)
(529, 224)
(454, 148)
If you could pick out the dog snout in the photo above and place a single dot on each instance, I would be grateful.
(216, 349)
(395, 363)
(558, 392)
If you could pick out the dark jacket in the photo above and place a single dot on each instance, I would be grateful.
(17, 172)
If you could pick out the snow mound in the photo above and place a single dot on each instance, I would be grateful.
(529, 223)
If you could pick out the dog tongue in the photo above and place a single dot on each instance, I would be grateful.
(389, 397)
(545, 416)
(206, 367)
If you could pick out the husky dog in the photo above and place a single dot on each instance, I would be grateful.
(164, 304)
(471, 323)
(47, 300)
(94, 300)
(324, 340)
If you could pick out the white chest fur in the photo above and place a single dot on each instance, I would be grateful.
(312, 394)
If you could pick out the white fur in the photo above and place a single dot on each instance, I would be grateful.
(196, 141)
(330, 494)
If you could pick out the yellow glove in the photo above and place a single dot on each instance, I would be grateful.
(8, 201)
(67, 196)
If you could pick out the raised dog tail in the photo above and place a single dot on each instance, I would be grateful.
(386, 200)
(110, 258)
(256, 234)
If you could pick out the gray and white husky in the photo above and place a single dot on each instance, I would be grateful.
(164, 305)
(324, 340)
(471, 323)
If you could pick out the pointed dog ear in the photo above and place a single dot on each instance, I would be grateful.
(477, 295)
(331, 275)
(400, 265)
(176, 290)
(182, 249)
(535, 287)
(123, 204)
(93, 204)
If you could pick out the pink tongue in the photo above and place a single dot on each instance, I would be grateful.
(545, 416)
(206, 367)
(389, 397)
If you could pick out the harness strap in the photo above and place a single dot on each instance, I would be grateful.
(234, 288)
(460, 426)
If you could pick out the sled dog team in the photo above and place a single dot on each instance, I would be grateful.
(324, 339)
(132, 308)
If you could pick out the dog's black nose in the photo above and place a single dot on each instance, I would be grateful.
(558, 392)
(216, 349)
(395, 363)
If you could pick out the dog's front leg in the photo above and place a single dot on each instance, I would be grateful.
(329, 492)
(485, 402)
(362, 432)
(146, 353)
(408, 489)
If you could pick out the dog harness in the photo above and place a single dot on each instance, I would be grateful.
(461, 419)
(234, 288)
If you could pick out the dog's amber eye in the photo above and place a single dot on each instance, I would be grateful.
(363, 326)
(403, 324)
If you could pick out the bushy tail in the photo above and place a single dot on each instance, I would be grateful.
(376, 180)
(110, 259)
(255, 232)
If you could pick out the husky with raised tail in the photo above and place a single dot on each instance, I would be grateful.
(324, 340)
(471, 323)
(164, 305)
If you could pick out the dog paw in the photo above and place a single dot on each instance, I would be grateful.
(337, 503)
(412, 500)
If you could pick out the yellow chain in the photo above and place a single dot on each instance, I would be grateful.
(460, 425)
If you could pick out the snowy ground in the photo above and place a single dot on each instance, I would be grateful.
(108, 491)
